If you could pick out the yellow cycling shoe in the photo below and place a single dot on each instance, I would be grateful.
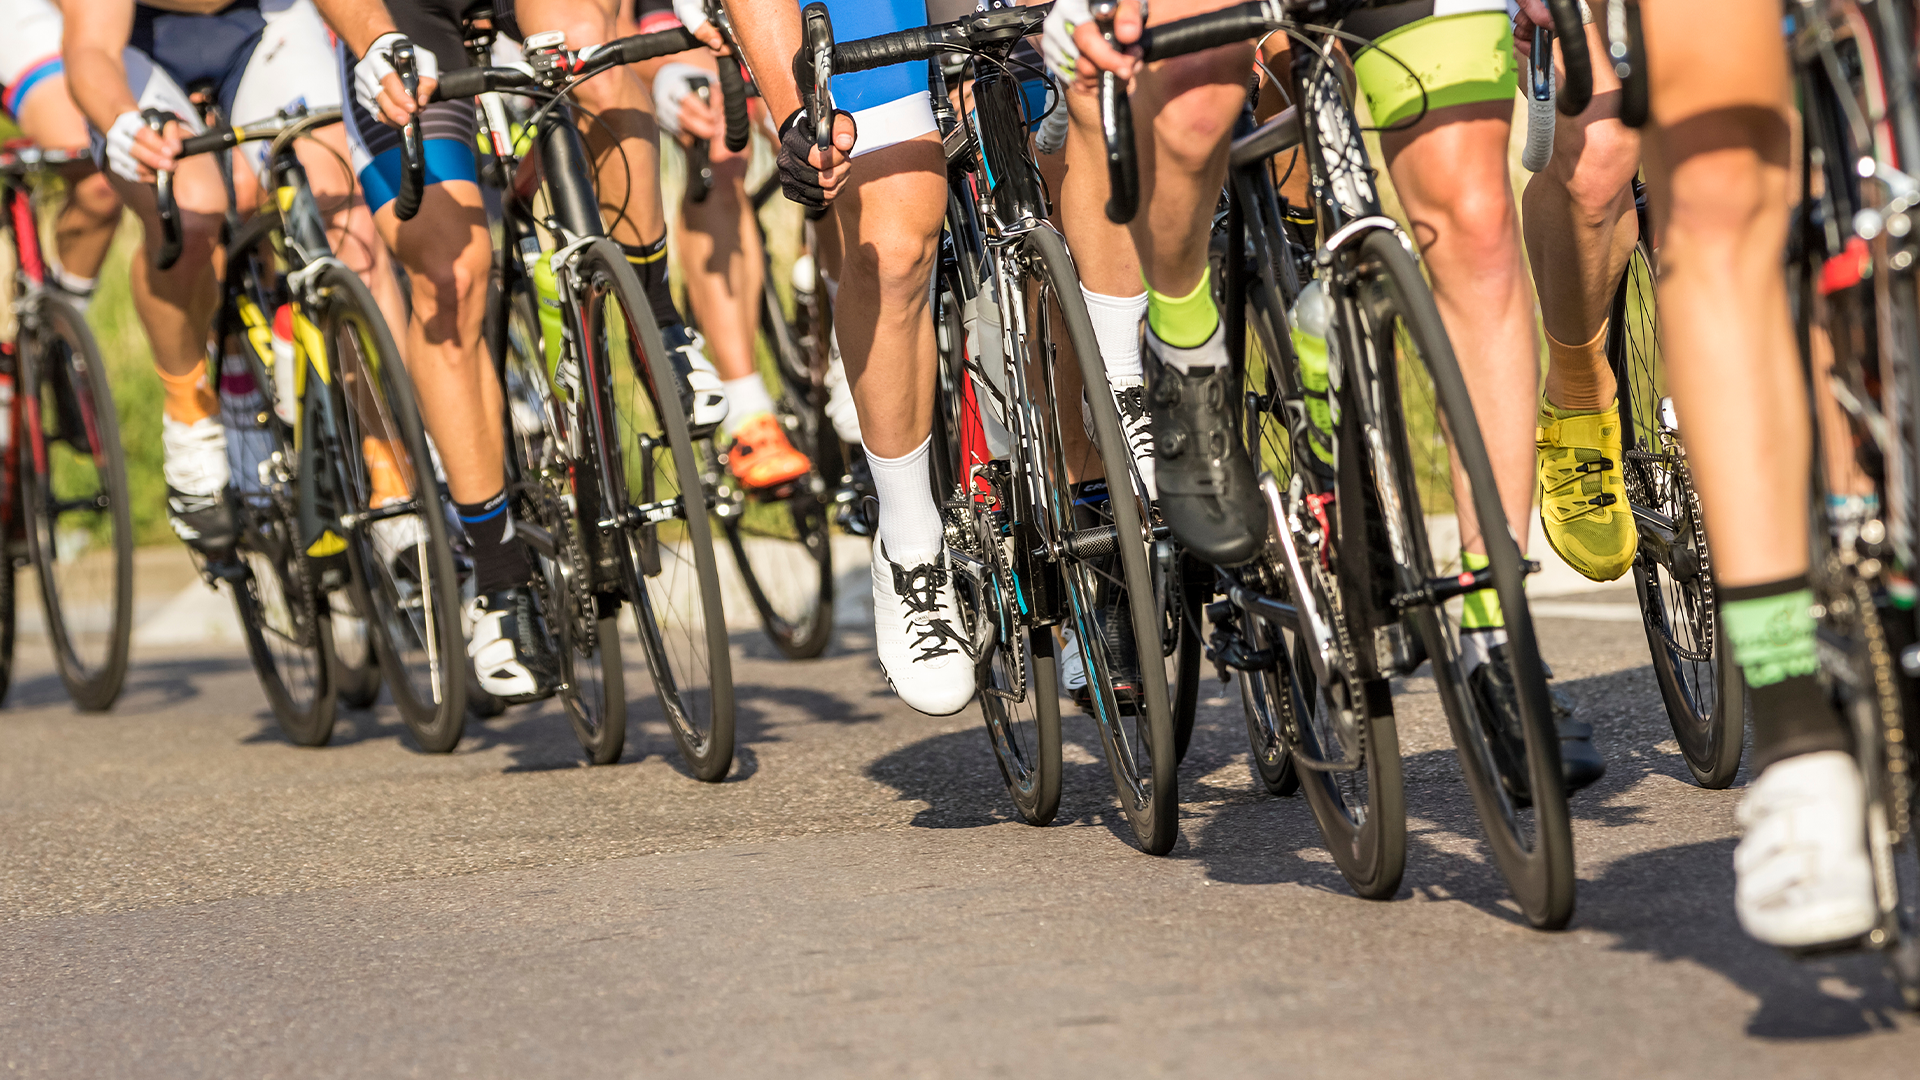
(1583, 495)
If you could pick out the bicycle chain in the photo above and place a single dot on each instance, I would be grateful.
(582, 610)
(1886, 689)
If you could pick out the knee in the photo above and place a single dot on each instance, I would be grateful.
(1477, 228)
(1727, 198)
(94, 196)
(449, 287)
(901, 266)
(1600, 168)
(1192, 125)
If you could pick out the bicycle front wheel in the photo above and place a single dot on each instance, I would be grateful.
(401, 558)
(1437, 502)
(1703, 691)
(656, 529)
(74, 482)
(1105, 568)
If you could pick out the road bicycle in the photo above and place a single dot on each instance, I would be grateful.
(605, 478)
(343, 571)
(1851, 272)
(1363, 577)
(1025, 556)
(63, 478)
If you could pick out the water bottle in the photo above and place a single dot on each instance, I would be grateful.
(546, 290)
(1311, 313)
(283, 364)
(980, 316)
(243, 412)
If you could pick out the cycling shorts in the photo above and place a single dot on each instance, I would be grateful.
(259, 60)
(447, 128)
(1432, 54)
(890, 105)
(29, 50)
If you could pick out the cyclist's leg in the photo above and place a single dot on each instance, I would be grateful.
(448, 254)
(36, 96)
(176, 307)
(83, 230)
(1581, 229)
(1718, 157)
(1184, 110)
(1450, 171)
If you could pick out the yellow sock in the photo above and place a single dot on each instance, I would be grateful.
(1184, 322)
(189, 399)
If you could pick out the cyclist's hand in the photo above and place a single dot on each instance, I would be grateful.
(1532, 13)
(135, 152)
(378, 86)
(1100, 55)
(693, 15)
(677, 105)
(805, 176)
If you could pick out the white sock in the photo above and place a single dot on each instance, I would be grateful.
(747, 398)
(910, 528)
(1476, 646)
(1116, 326)
(1209, 354)
(840, 408)
(195, 455)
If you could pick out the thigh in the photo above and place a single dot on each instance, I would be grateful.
(293, 65)
(1419, 64)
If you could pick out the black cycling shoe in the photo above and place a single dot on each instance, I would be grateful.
(1499, 709)
(206, 523)
(512, 654)
(857, 509)
(701, 393)
(1208, 494)
(1112, 610)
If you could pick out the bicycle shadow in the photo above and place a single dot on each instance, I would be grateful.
(152, 686)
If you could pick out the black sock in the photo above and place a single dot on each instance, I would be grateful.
(1770, 628)
(499, 557)
(650, 262)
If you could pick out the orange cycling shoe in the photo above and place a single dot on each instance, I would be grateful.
(761, 457)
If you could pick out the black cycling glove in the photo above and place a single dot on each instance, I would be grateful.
(798, 176)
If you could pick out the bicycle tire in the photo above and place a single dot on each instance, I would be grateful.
(1139, 742)
(1186, 588)
(587, 640)
(1340, 748)
(1389, 303)
(66, 476)
(295, 674)
(692, 672)
(1704, 694)
(1029, 762)
(418, 634)
(783, 544)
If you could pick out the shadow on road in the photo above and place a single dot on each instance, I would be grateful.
(152, 686)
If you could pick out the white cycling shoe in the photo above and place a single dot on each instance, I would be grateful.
(397, 542)
(1130, 398)
(1803, 879)
(704, 396)
(921, 642)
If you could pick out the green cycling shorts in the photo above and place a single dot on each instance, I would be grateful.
(1459, 60)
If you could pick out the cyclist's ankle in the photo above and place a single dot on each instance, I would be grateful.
(1185, 326)
(1771, 630)
(1579, 379)
(1116, 326)
(650, 263)
(500, 559)
(910, 528)
(747, 397)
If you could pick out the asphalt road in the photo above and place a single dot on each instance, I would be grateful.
(182, 893)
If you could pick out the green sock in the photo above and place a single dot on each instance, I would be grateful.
(1184, 322)
(1480, 610)
(1772, 636)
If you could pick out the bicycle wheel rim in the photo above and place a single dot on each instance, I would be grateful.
(648, 465)
(1136, 731)
(1020, 700)
(402, 562)
(287, 639)
(1675, 587)
(1435, 449)
(80, 528)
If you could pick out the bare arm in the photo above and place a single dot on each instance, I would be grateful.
(94, 33)
(769, 32)
(357, 22)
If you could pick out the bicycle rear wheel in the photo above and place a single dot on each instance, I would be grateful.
(782, 540)
(356, 663)
(1137, 728)
(400, 554)
(1703, 691)
(661, 544)
(74, 487)
(1435, 485)
(288, 628)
